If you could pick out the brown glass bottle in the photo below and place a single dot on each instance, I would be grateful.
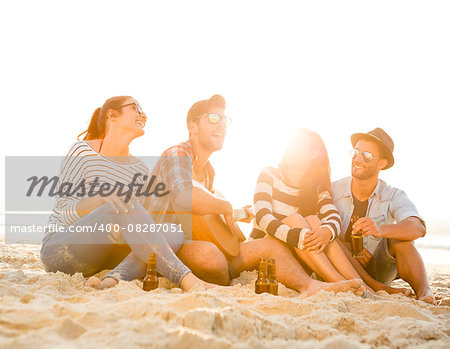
(357, 245)
(151, 279)
(357, 241)
(272, 272)
(262, 283)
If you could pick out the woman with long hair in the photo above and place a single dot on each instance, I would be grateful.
(293, 204)
(100, 223)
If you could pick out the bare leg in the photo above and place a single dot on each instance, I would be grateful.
(411, 268)
(370, 281)
(206, 261)
(319, 262)
(289, 271)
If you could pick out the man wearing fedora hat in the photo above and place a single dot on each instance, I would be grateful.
(388, 219)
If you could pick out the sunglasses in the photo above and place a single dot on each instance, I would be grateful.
(137, 108)
(365, 155)
(214, 118)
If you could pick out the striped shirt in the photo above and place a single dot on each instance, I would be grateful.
(87, 170)
(274, 200)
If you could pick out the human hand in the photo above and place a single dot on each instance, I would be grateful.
(365, 260)
(118, 203)
(250, 215)
(368, 227)
(317, 239)
(228, 215)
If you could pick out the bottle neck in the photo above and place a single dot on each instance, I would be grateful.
(151, 268)
(263, 268)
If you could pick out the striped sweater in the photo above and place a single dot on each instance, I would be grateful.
(81, 167)
(274, 200)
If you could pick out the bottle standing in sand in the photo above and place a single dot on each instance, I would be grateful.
(151, 279)
(272, 271)
(357, 241)
(262, 283)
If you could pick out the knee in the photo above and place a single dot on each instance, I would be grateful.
(214, 260)
(174, 237)
(213, 264)
(313, 221)
(295, 221)
(399, 246)
(269, 246)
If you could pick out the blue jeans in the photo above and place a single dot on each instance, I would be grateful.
(127, 251)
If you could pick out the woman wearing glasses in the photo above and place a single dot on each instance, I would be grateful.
(96, 222)
(293, 204)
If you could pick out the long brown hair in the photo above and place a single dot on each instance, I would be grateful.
(97, 125)
(317, 176)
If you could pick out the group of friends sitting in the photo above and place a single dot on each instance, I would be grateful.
(299, 217)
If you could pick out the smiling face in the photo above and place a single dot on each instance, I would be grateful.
(129, 118)
(365, 170)
(210, 136)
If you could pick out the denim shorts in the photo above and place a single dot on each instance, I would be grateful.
(383, 266)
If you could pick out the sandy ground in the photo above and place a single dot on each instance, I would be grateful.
(40, 310)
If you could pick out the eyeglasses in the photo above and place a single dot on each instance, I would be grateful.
(365, 155)
(137, 108)
(214, 118)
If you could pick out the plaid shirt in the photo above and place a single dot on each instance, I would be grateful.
(174, 169)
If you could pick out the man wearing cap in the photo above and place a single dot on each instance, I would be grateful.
(388, 219)
(186, 171)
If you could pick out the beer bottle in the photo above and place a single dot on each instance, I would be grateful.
(273, 284)
(262, 283)
(357, 241)
(357, 245)
(151, 279)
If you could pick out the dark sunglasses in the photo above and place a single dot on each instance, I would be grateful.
(137, 108)
(214, 118)
(365, 155)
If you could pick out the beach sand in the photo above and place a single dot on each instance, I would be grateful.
(41, 310)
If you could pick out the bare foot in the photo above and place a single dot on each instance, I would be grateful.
(355, 286)
(107, 283)
(93, 281)
(367, 288)
(427, 296)
(190, 281)
(396, 290)
(100, 285)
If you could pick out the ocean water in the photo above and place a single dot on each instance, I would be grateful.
(435, 246)
(437, 237)
(435, 256)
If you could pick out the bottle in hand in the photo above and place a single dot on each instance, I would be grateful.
(357, 241)
(273, 284)
(262, 282)
(151, 279)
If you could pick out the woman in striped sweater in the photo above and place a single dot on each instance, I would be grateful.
(98, 231)
(293, 204)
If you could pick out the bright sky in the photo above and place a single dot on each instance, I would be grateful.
(336, 67)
